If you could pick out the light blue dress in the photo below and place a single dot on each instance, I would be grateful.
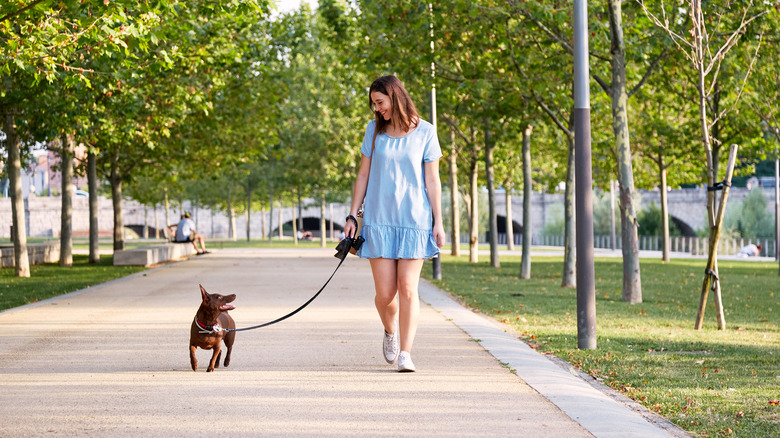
(397, 217)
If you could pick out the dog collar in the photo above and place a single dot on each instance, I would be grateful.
(216, 328)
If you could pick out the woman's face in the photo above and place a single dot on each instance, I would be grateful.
(382, 104)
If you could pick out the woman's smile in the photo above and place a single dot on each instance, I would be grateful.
(382, 104)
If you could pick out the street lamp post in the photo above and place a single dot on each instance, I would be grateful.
(586, 287)
(437, 260)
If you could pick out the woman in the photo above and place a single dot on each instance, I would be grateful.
(399, 182)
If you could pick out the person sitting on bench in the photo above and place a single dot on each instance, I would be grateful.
(185, 232)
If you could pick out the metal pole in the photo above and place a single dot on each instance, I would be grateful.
(586, 285)
(437, 260)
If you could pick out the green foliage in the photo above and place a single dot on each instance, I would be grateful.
(651, 222)
(446, 207)
(601, 212)
(554, 223)
(750, 218)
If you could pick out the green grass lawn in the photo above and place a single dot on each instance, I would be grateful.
(709, 382)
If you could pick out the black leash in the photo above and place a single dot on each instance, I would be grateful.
(296, 310)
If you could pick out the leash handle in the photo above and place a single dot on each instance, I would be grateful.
(296, 310)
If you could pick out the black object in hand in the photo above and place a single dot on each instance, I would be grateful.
(348, 245)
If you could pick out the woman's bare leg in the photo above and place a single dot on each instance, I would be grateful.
(408, 282)
(385, 283)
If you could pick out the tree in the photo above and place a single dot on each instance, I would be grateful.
(764, 93)
(553, 96)
(664, 134)
(14, 169)
(47, 40)
(712, 34)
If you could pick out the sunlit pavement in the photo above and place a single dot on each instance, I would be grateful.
(112, 360)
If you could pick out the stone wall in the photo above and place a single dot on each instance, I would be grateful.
(43, 218)
(688, 205)
(43, 213)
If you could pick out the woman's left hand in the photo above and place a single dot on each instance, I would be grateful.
(438, 235)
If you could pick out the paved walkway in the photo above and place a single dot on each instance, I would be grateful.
(112, 360)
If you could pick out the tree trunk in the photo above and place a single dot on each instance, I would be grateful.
(612, 236)
(166, 204)
(664, 210)
(715, 136)
(92, 183)
(632, 284)
(116, 200)
(510, 232)
(454, 198)
(569, 243)
(294, 224)
(156, 223)
(248, 210)
(195, 211)
(145, 229)
(323, 236)
(714, 232)
(211, 220)
(330, 225)
(19, 235)
(777, 211)
(300, 210)
(66, 213)
(491, 186)
(474, 219)
(231, 214)
(271, 214)
(281, 218)
(525, 263)
(262, 222)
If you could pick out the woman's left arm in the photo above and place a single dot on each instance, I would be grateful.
(433, 187)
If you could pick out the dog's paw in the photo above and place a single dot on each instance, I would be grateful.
(209, 369)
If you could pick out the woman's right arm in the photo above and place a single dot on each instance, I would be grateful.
(358, 194)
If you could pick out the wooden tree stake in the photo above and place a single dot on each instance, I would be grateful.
(711, 270)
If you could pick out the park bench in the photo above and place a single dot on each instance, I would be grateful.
(38, 253)
(153, 254)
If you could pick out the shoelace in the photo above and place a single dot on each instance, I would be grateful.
(389, 343)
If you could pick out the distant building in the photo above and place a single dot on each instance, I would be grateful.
(51, 162)
(44, 177)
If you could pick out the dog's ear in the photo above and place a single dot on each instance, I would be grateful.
(204, 294)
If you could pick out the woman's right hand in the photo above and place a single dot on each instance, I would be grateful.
(349, 228)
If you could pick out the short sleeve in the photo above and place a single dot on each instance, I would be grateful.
(432, 148)
(368, 138)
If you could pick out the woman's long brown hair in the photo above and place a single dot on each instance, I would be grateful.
(404, 113)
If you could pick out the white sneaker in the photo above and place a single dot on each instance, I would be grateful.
(390, 346)
(405, 364)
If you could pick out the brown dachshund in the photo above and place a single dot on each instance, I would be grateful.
(208, 328)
